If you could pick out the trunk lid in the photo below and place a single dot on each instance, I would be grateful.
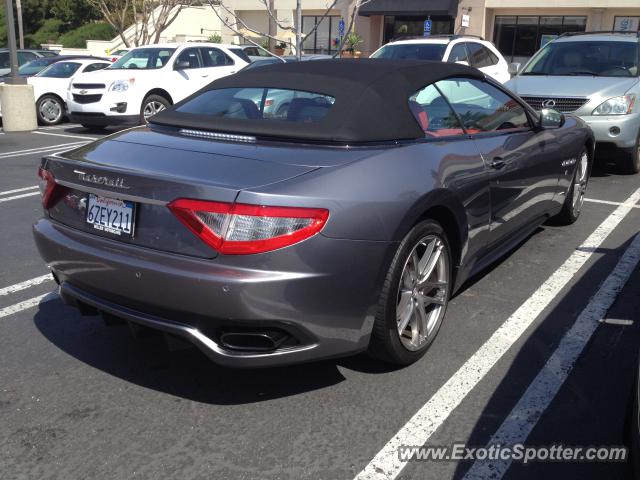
(151, 169)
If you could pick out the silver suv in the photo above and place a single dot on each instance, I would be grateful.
(596, 77)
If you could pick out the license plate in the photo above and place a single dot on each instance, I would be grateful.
(110, 215)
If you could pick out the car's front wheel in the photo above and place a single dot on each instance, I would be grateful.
(414, 297)
(50, 110)
(574, 198)
(151, 105)
(630, 163)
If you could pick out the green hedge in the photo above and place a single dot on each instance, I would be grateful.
(49, 31)
(93, 31)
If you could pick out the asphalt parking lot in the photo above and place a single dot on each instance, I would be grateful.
(540, 348)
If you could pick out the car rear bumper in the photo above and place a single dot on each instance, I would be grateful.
(320, 295)
(619, 130)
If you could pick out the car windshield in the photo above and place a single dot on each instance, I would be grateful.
(34, 66)
(144, 59)
(589, 58)
(260, 104)
(412, 51)
(60, 70)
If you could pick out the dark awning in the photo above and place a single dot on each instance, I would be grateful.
(410, 7)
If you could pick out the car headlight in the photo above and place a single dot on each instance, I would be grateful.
(121, 85)
(616, 106)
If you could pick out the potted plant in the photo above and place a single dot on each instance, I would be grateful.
(264, 43)
(279, 48)
(350, 42)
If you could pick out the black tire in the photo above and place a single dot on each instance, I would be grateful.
(50, 110)
(385, 343)
(570, 210)
(630, 161)
(151, 99)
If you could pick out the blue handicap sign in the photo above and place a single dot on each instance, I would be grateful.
(341, 27)
(427, 27)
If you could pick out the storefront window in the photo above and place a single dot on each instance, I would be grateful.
(396, 27)
(626, 24)
(325, 39)
(519, 37)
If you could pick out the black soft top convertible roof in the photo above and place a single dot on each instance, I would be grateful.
(371, 99)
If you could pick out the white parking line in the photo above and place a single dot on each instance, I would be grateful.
(387, 464)
(607, 202)
(50, 149)
(16, 197)
(17, 190)
(65, 135)
(540, 393)
(24, 285)
(32, 302)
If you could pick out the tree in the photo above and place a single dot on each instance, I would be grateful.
(148, 17)
(237, 25)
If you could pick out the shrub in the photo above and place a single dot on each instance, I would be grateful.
(215, 38)
(93, 31)
(48, 32)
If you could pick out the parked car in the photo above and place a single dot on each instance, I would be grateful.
(344, 226)
(262, 63)
(118, 54)
(255, 53)
(24, 56)
(467, 50)
(51, 84)
(634, 425)
(36, 66)
(147, 80)
(596, 77)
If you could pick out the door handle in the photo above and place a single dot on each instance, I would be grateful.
(205, 76)
(497, 163)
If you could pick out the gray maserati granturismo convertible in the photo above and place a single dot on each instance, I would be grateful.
(341, 223)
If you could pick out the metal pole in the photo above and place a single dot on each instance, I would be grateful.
(20, 31)
(13, 51)
(299, 29)
(273, 27)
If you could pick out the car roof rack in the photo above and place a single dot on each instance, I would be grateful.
(598, 32)
(450, 37)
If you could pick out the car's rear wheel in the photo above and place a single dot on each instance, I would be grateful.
(630, 162)
(50, 110)
(575, 195)
(414, 297)
(151, 105)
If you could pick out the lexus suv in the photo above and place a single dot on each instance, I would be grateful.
(596, 77)
(147, 80)
(467, 50)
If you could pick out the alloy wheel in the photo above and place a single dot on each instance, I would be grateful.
(423, 293)
(50, 110)
(151, 108)
(580, 183)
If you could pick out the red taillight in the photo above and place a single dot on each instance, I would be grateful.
(240, 229)
(268, 102)
(49, 189)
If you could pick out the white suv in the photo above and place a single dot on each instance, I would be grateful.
(147, 80)
(469, 50)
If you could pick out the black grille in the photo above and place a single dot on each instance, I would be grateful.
(562, 104)
(89, 86)
(86, 98)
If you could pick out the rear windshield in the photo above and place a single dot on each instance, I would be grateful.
(260, 104)
(412, 51)
(588, 58)
(144, 59)
(241, 53)
(34, 66)
(60, 70)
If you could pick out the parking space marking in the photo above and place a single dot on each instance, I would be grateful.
(18, 190)
(417, 431)
(24, 285)
(16, 197)
(32, 302)
(86, 137)
(607, 202)
(34, 151)
(525, 415)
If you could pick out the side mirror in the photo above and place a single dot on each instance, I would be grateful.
(462, 62)
(550, 118)
(181, 65)
(514, 68)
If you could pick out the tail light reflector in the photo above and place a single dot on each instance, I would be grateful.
(240, 229)
(51, 192)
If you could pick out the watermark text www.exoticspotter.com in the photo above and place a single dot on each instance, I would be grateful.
(457, 452)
